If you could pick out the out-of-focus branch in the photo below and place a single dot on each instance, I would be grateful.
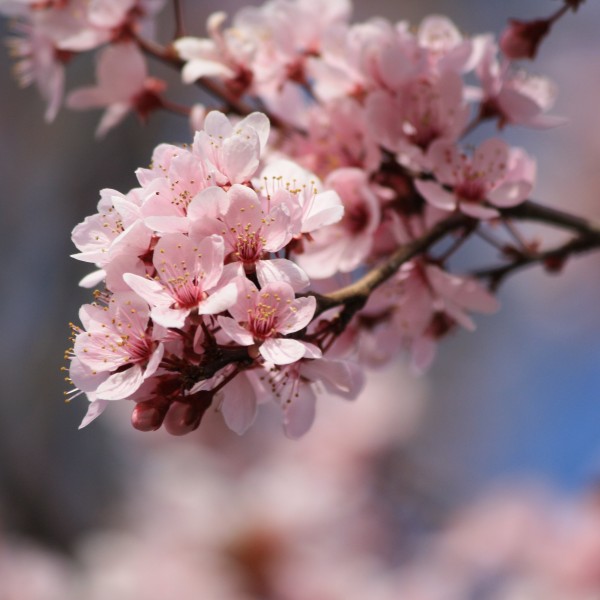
(553, 260)
(353, 297)
(179, 27)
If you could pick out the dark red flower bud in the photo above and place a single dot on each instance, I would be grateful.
(149, 415)
(521, 39)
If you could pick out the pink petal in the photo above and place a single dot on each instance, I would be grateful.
(239, 405)
(478, 211)
(201, 67)
(154, 361)
(299, 412)
(93, 279)
(436, 195)
(151, 291)
(210, 254)
(219, 301)
(280, 269)
(121, 385)
(326, 209)
(260, 123)
(343, 378)
(510, 193)
(235, 331)
(217, 125)
(240, 156)
(171, 318)
(301, 313)
(95, 409)
(112, 116)
(281, 351)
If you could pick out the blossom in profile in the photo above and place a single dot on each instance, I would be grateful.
(122, 86)
(41, 63)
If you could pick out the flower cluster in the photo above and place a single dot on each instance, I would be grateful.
(199, 297)
(245, 269)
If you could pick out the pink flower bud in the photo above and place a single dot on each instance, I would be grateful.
(522, 38)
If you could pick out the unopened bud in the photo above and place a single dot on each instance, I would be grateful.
(148, 415)
(183, 418)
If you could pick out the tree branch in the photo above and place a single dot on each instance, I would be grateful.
(354, 296)
(552, 259)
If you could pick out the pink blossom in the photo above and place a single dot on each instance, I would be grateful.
(187, 273)
(289, 34)
(231, 151)
(514, 96)
(252, 227)
(174, 179)
(317, 207)
(344, 245)
(261, 317)
(123, 85)
(339, 134)
(426, 109)
(227, 54)
(116, 229)
(40, 62)
(115, 352)
(486, 178)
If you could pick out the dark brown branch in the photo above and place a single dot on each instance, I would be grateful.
(553, 260)
(532, 211)
(355, 296)
(179, 28)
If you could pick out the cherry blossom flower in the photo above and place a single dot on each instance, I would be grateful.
(232, 151)
(261, 317)
(227, 54)
(317, 207)
(514, 96)
(115, 352)
(252, 227)
(114, 238)
(344, 245)
(486, 178)
(123, 85)
(187, 274)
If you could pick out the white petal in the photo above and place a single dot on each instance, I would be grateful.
(95, 409)
(121, 385)
(151, 291)
(280, 351)
(235, 331)
(219, 301)
(280, 269)
(239, 404)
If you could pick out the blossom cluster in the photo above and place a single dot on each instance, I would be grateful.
(219, 267)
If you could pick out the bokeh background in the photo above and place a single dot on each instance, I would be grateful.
(517, 400)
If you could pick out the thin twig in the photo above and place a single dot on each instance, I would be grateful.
(353, 297)
(179, 27)
(552, 259)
